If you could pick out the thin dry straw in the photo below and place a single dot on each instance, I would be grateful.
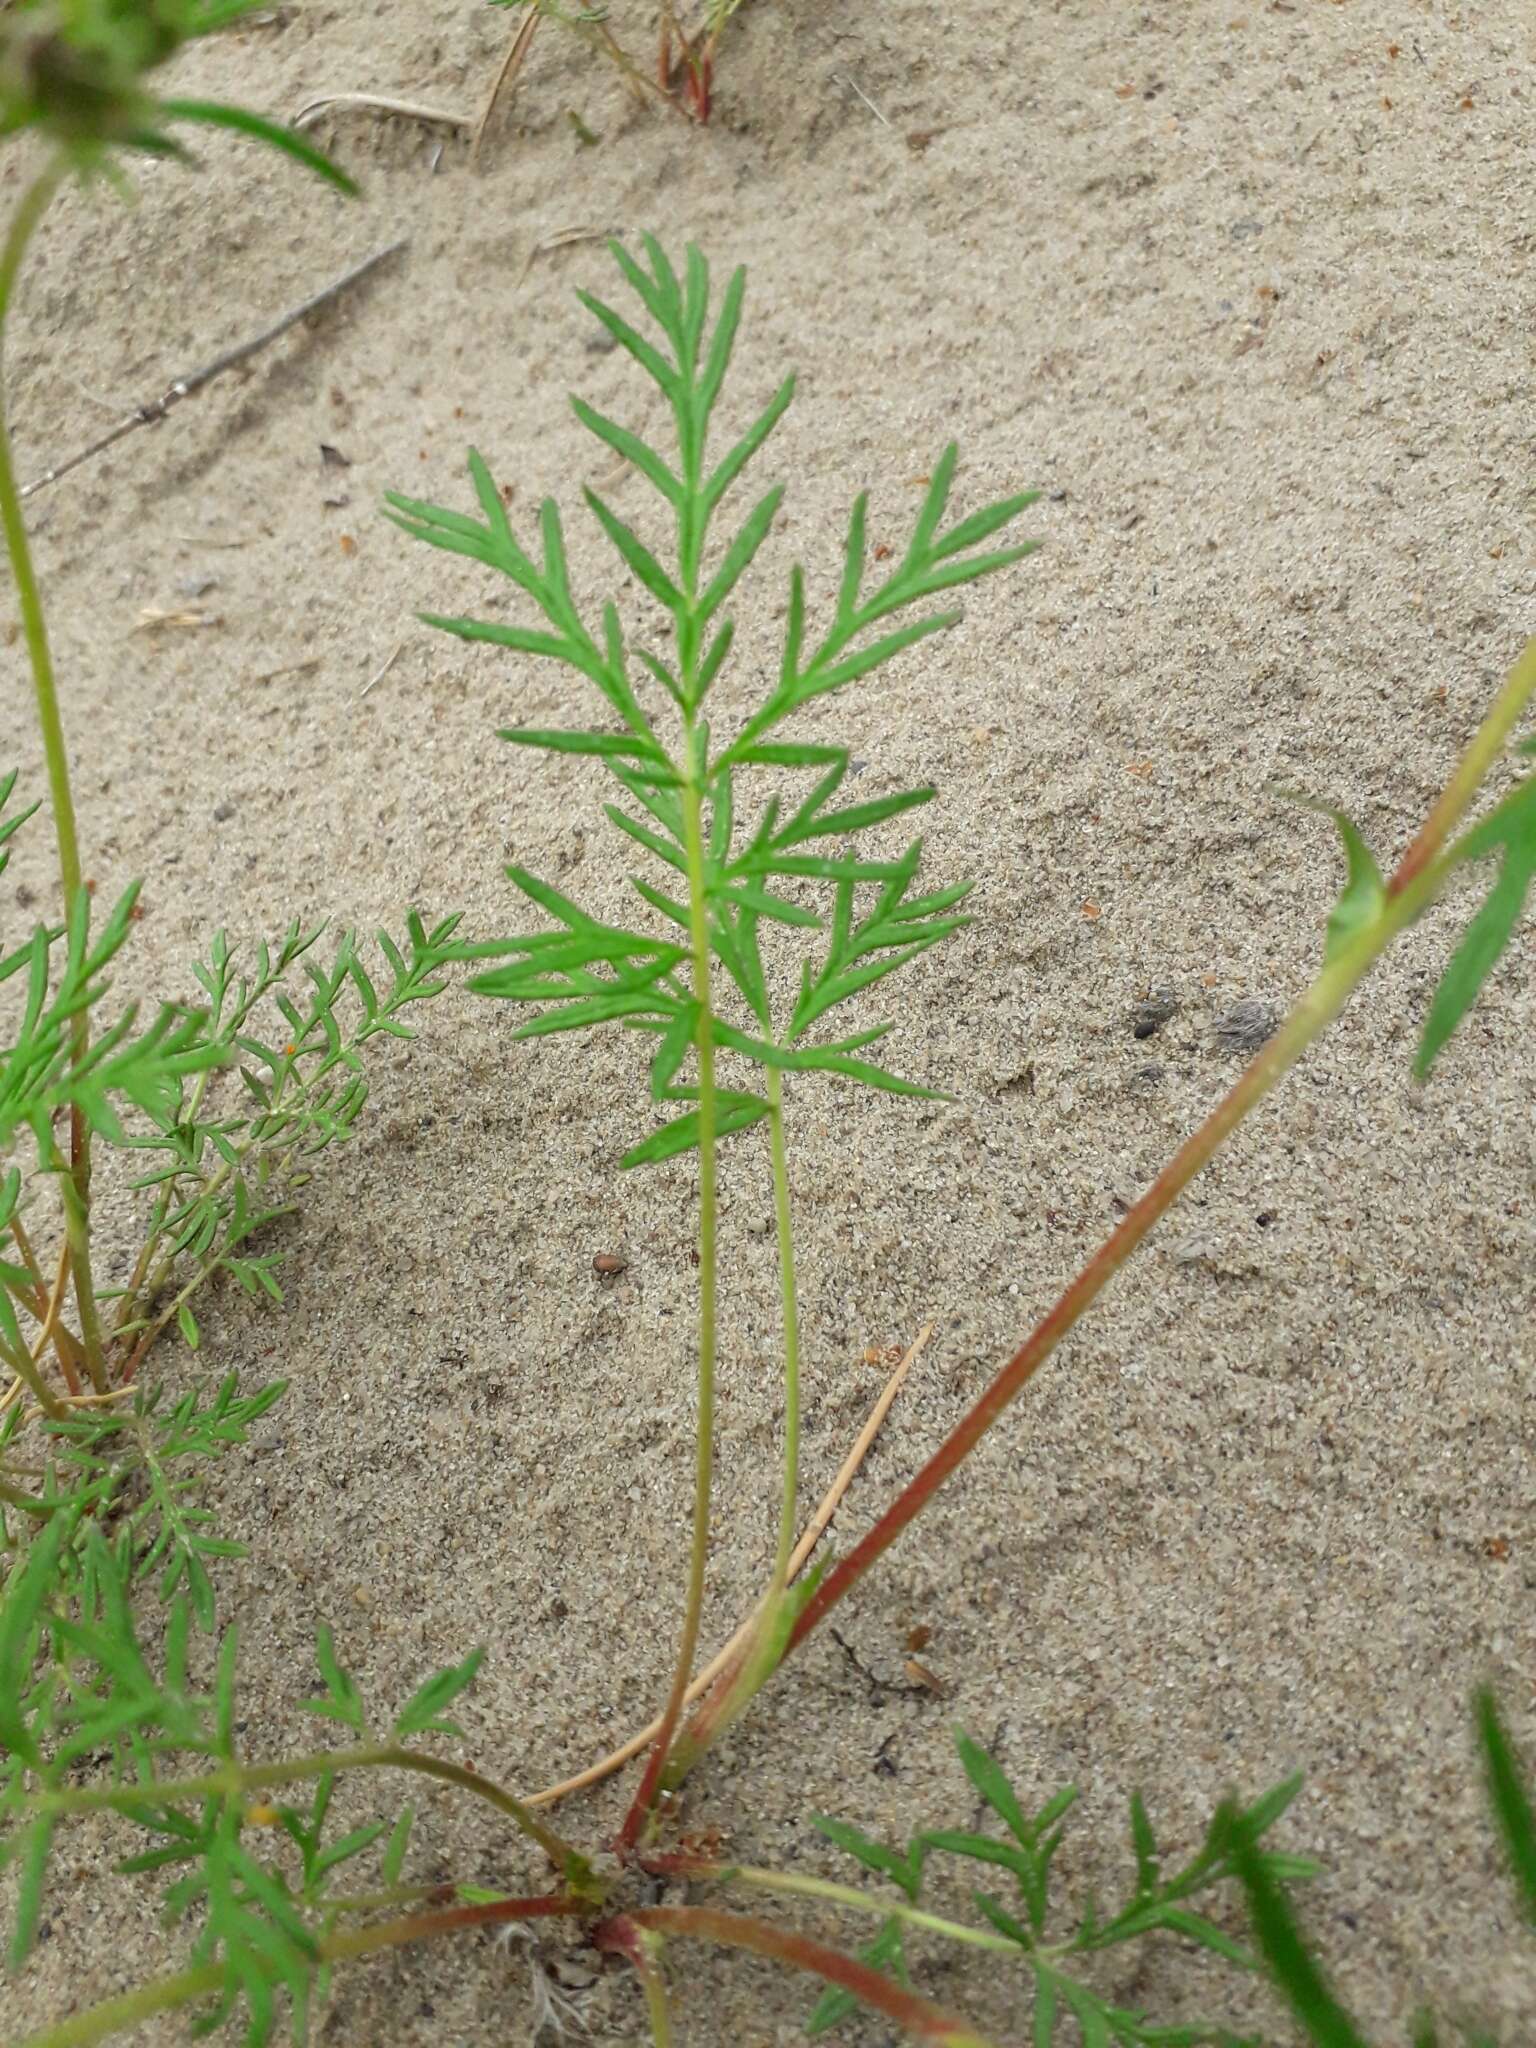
(814, 1531)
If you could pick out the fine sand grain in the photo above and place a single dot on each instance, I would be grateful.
(1245, 289)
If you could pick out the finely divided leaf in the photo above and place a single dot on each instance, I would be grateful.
(424, 1713)
(734, 1111)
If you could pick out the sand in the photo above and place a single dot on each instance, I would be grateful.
(1243, 289)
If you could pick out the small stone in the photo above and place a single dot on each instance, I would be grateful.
(608, 1263)
(1152, 1012)
(759, 1226)
(223, 812)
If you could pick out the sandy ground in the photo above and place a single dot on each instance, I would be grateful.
(1244, 289)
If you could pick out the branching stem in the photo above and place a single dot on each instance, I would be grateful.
(799, 1952)
(236, 1781)
(795, 1884)
(132, 2008)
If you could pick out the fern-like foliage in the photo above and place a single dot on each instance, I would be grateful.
(254, 1872)
(227, 1167)
(1160, 1902)
(227, 1164)
(138, 1467)
(60, 974)
(724, 879)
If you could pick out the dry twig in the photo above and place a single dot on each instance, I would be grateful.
(511, 65)
(377, 103)
(155, 410)
(562, 238)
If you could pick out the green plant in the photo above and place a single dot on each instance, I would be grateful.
(736, 876)
(1021, 1930)
(698, 973)
(227, 1103)
(231, 1100)
(77, 76)
(685, 57)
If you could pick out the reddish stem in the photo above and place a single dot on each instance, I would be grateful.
(1406, 892)
(1038, 1346)
(623, 1935)
(421, 1926)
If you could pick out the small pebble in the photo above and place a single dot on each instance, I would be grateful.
(1152, 1012)
(223, 812)
(759, 1226)
(609, 1263)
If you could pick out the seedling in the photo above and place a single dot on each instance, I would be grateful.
(696, 973)
(684, 71)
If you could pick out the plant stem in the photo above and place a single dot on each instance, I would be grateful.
(791, 1313)
(763, 1641)
(795, 1885)
(1516, 692)
(698, 925)
(76, 1187)
(648, 1956)
(235, 1781)
(46, 1310)
(1417, 881)
(33, 204)
(131, 2008)
(74, 1194)
(800, 1952)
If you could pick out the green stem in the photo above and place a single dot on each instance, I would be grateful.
(131, 2008)
(20, 1361)
(235, 1781)
(648, 1963)
(76, 1187)
(794, 1885)
(791, 1314)
(24, 221)
(698, 925)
